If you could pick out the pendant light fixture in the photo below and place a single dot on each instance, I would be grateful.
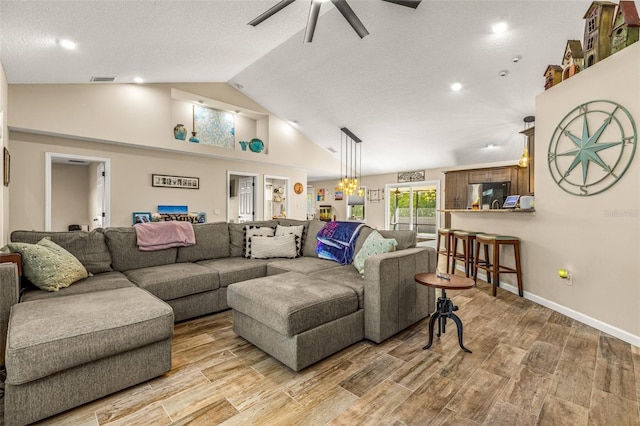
(524, 159)
(351, 157)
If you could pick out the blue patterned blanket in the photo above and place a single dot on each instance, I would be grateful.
(337, 240)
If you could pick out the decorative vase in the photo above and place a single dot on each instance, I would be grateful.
(194, 138)
(244, 144)
(180, 132)
(256, 145)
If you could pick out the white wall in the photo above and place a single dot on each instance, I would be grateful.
(597, 238)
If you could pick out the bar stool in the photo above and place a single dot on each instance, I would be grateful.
(447, 235)
(467, 256)
(493, 267)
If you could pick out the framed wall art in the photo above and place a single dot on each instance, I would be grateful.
(141, 217)
(175, 181)
(417, 176)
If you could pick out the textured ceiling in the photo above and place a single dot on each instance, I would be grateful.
(390, 88)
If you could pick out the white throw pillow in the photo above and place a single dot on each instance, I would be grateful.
(250, 231)
(268, 247)
(297, 230)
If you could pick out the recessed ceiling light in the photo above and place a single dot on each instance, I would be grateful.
(503, 73)
(491, 146)
(138, 80)
(456, 86)
(67, 44)
(500, 27)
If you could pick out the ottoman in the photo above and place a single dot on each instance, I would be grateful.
(297, 319)
(66, 351)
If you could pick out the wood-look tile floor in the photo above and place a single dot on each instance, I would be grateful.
(529, 365)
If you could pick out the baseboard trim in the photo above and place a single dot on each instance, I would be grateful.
(585, 319)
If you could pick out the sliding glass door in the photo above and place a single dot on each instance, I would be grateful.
(413, 206)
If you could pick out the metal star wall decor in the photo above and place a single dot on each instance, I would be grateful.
(604, 154)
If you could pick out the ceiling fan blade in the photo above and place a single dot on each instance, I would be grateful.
(351, 17)
(314, 12)
(277, 8)
(408, 3)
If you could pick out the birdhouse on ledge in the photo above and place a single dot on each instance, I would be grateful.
(597, 27)
(573, 59)
(626, 26)
(552, 76)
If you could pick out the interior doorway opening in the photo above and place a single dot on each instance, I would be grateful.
(241, 197)
(77, 192)
(276, 197)
(413, 206)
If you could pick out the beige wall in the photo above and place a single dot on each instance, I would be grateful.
(375, 212)
(70, 196)
(144, 116)
(131, 170)
(597, 238)
(4, 142)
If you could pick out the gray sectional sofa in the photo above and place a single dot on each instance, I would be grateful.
(113, 329)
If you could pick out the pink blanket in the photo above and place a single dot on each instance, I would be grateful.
(163, 235)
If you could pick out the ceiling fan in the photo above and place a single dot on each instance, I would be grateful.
(314, 12)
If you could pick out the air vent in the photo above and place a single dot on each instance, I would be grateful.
(77, 161)
(103, 79)
(331, 150)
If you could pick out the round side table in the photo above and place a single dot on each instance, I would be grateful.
(445, 306)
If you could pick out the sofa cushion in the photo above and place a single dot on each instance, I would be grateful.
(311, 241)
(235, 269)
(303, 265)
(100, 282)
(237, 237)
(374, 244)
(175, 280)
(47, 265)
(292, 303)
(405, 238)
(212, 242)
(345, 275)
(89, 248)
(48, 336)
(125, 254)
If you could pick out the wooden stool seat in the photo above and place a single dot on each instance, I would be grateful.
(445, 234)
(467, 256)
(492, 266)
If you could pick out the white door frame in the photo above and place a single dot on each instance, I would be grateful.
(48, 159)
(286, 194)
(391, 186)
(255, 190)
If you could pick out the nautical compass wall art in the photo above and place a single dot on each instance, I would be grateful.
(592, 147)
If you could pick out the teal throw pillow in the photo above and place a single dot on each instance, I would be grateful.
(49, 266)
(374, 244)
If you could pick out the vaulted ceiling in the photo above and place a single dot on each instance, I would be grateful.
(391, 88)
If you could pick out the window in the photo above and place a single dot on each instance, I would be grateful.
(356, 207)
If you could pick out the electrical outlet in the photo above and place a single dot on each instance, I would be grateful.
(569, 280)
(216, 212)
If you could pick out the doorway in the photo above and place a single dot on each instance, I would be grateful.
(77, 191)
(241, 197)
(276, 197)
(413, 206)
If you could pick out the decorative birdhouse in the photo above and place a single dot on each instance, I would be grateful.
(597, 27)
(552, 76)
(573, 59)
(626, 26)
